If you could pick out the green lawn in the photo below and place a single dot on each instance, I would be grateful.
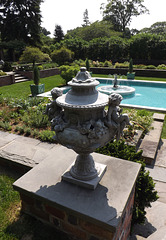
(15, 225)
(23, 89)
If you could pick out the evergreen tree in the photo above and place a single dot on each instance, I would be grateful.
(20, 20)
(58, 33)
(86, 18)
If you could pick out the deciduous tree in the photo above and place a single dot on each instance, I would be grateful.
(120, 12)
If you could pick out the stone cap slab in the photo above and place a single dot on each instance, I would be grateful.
(159, 117)
(103, 206)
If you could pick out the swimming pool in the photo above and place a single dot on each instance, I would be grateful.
(148, 94)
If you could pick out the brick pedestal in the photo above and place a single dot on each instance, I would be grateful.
(100, 214)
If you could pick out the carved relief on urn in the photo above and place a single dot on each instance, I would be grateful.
(82, 124)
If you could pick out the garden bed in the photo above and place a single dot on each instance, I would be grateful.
(123, 71)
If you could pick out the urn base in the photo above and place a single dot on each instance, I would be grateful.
(91, 183)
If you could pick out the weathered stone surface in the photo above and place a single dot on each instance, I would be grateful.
(151, 141)
(156, 215)
(149, 150)
(161, 155)
(104, 205)
(157, 173)
(159, 117)
(158, 235)
(161, 189)
(28, 140)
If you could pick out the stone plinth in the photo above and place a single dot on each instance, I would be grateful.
(103, 213)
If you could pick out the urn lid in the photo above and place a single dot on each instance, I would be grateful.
(83, 93)
(83, 76)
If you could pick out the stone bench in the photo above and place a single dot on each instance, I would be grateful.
(150, 142)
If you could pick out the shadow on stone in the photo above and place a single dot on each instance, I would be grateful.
(81, 201)
(144, 230)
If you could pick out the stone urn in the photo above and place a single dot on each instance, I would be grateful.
(81, 123)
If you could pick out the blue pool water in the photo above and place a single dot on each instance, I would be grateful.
(148, 94)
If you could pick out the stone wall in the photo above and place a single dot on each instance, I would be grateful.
(123, 71)
(68, 222)
(43, 73)
(7, 80)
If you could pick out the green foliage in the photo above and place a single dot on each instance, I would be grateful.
(131, 65)
(161, 66)
(47, 136)
(158, 28)
(121, 65)
(7, 196)
(120, 12)
(2, 73)
(5, 125)
(107, 63)
(7, 67)
(58, 33)
(23, 90)
(35, 118)
(62, 56)
(36, 75)
(145, 192)
(141, 119)
(21, 20)
(32, 55)
(86, 18)
(68, 72)
(87, 64)
(98, 29)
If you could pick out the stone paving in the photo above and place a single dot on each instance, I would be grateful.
(29, 152)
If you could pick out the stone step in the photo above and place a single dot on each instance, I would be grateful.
(20, 78)
(150, 142)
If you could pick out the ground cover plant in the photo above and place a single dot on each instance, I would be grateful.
(26, 117)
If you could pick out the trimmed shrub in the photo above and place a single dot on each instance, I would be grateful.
(68, 72)
(36, 75)
(62, 56)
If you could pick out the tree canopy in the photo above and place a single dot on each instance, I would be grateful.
(120, 12)
(20, 20)
(156, 28)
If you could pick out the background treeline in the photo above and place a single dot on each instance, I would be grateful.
(97, 41)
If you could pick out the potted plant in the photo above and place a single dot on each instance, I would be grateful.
(131, 74)
(36, 88)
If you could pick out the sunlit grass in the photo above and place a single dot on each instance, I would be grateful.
(22, 90)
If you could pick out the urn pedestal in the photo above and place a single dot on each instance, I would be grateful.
(80, 125)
